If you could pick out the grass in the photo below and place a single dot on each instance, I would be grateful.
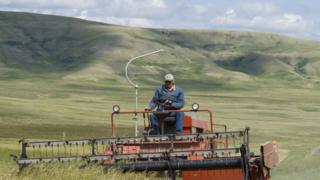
(52, 171)
(55, 109)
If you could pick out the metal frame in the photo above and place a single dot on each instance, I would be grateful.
(137, 156)
(94, 156)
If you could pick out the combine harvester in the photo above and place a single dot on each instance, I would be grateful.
(200, 152)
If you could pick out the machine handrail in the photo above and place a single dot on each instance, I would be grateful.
(143, 112)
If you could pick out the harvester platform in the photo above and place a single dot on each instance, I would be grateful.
(207, 154)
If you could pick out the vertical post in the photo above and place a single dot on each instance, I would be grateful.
(246, 139)
(112, 125)
(23, 149)
(136, 115)
(211, 120)
(245, 153)
(245, 162)
(93, 152)
(136, 85)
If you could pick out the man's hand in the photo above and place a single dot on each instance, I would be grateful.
(168, 102)
(147, 109)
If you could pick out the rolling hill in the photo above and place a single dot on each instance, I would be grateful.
(69, 48)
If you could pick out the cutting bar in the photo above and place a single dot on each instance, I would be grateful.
(136, 156)
(142, 139)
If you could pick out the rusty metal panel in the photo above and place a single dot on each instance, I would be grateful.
(209, 174)
(189, 122)
(270, 154)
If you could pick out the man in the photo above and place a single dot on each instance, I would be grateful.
(167, 97)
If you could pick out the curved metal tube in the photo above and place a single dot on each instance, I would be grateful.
(136, 85)
(134, 58)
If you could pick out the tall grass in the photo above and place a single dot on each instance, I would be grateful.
(74, 170)
(82, 110)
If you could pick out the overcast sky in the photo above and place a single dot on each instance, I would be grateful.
(300, 18)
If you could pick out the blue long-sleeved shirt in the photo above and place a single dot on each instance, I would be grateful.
(161, 94)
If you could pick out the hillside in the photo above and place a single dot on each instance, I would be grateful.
(69, 48)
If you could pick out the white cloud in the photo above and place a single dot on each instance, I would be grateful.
(133, 22)
(279, 22)
(135, 8)
(261, 8)
(150, 3)
(229, 18)
(5, 2)
(282, 22)
(47, 11)
(267, 15)
(83, 14)
(292, 21)
(122, 12)
(50, 3)
(123, 7)
(158, 3)
(200, 9)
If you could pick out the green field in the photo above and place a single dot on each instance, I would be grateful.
(36, 109)
(60, 77)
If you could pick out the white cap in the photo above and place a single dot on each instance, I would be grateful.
(169, 77)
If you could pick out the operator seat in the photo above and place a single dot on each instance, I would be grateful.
(167, 123)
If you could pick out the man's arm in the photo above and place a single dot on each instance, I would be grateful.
(153, 103)
(180, 100)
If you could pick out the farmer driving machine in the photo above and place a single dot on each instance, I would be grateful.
(200, 151)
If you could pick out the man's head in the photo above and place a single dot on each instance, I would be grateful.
(169, 81)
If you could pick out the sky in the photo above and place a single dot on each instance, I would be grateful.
(299, 18)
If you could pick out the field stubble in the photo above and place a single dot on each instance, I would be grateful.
(41, 110)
